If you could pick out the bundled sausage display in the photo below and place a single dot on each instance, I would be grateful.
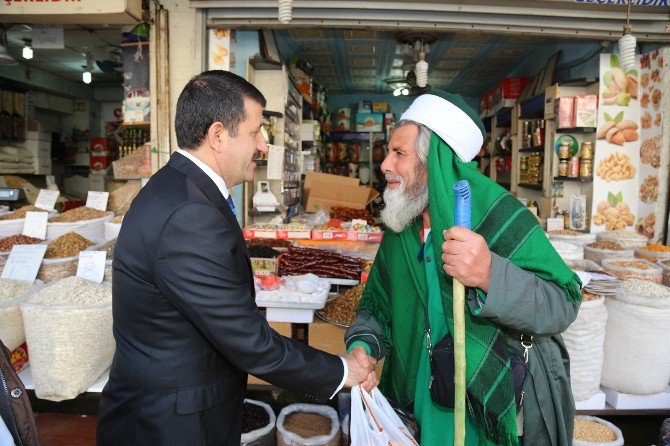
(297, 261)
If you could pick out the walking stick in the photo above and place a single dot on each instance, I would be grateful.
(461, 218)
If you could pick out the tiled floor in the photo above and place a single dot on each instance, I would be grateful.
(57, 429)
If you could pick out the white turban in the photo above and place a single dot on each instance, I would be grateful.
(449, 122)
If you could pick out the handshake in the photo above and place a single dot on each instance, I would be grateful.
(361, 369)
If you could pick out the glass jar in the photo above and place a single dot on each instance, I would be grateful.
(586, 169)
(524, 163)
(587, 150)
(565, 149)
(563, 168)
(573, 171)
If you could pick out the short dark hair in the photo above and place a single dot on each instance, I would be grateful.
(212, 96)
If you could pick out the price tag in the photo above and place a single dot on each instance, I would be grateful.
(97, 200)
(555, 224)
(46, 199)
(36, 225)
(23, 263)
(91, 265)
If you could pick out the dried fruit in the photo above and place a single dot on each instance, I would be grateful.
(631, 87)
(618, 139)
(630, 135)
(604, 129)
(627, 125)
(619, 79)
(67, 245)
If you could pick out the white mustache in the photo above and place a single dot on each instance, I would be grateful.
(391, 177)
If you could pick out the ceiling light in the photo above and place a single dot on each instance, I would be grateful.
(405, 92)
(28, 50)
(421, 69)
(627, 45)
(396, 92)
(285, 11)
(86, 77)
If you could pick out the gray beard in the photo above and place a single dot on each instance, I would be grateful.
(401, 208)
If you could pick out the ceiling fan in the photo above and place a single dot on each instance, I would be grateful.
(406, 86)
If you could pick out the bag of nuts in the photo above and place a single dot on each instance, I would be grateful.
(633, 269)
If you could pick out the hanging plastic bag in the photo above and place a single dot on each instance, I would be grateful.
(374, 422)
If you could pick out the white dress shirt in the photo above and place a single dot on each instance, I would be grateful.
(221, 184)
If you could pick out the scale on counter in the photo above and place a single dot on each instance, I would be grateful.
(263, 199)
(10, 196)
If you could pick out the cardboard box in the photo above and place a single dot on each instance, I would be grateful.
(39, 149)
(97, 181)
(566, 112)
(42, 166)
(596, 402)
(330, 339)
(99, 145)
(283, 328)
(619, 400)
(365, 107)
(323, 190)
(369, 122)
(550, 99)
(586, 110)
(99, 160)
(36, 131)
(318, 234)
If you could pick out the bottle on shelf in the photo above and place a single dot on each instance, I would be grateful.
(527, 138)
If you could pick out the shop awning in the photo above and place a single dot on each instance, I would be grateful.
(591, 19)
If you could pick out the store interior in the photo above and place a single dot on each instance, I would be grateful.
(78, 116)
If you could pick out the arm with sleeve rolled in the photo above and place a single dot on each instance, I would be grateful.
(519, 300)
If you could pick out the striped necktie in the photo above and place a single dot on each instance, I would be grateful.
(231, 204)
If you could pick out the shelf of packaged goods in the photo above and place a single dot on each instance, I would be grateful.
(532, 108)
(255, 213)
(577, 130)
(292, 117)
(534, 149)
(573, 180)
(530, 186)
(504, 117)
(288, 185)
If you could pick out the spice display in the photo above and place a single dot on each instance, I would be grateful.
(21, 213)
(633, 269)
(616, 167)
(605, 244)
(7, 243)
(305, 289)
(656, 247)
(121, 197)
(67, 245)
(73, 291)
(645, 288)
(78, 214)
(631, 264)
(592, 431)
(342, 310)
(307, 425)
(109, 247)
(347, 214)
(254, 417)
(263, 252)
(328, 264)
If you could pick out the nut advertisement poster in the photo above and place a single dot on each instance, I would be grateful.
(653, 178)
(617, 158)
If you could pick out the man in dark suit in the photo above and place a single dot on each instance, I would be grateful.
(186, 325)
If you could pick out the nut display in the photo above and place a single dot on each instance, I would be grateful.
(650, 151)
(21, 212)
(633, 269)
(592, 431)
(343, 309)
(344, 213)
(649, 189)
(254, 417)
(618, 132)
(606, 244)
(613, 217)
(7, 243)
(78, 214)
(67, 245)
(645, 225)
(616, 167)
(307, 424)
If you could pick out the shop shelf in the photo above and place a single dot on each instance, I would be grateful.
(504, 117)
(265, 64)
(532, 108)
(530, 186)
(577, 130)
(534, 149)
(581, 82)
(255, 213)
(505, 184)
(574, 180)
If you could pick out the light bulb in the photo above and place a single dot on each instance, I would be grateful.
(27, 52)
(405, 92)
(417, 45)
(426, 48)
(86, 77)
(627, 45)
(421, 71)
(396, 92)
(285, 11)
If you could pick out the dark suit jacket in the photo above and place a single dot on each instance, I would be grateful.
(186, 326)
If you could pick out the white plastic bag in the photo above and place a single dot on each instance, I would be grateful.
(374, 422)
(618, 441)
(288, 438)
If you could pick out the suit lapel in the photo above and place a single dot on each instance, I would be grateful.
(204, 183)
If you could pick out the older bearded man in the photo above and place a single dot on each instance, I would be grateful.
(521, 295)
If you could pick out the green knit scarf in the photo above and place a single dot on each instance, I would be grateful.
(510, 231)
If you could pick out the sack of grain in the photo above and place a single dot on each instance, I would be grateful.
(637, 340)
(570, 236)
(68, 326)
(121, 197)
(54, 266)
(12, 293)
(258, 424)
(91, 228)
(12, 223)
(585, 339)
(112, 228)
(308, 425)
(593, 431)
(568, 251)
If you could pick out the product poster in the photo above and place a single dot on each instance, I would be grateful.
(652, 197)
(617, 158)
(219, 49)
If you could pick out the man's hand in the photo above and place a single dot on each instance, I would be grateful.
(361, 369)
(466, 257)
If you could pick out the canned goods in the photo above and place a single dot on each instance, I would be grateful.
(586, 169)
(565, 149)
(563, 168)
(587, 150)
